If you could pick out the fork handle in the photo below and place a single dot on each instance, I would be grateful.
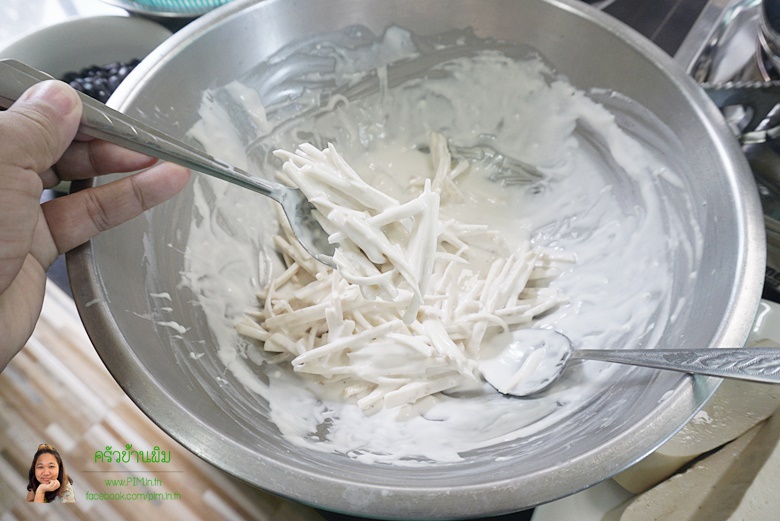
(758, 364)
(103, 122)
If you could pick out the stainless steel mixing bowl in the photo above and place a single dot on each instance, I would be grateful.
(209, 412)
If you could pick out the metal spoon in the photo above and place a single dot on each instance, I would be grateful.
(100, 121)
(528, 361)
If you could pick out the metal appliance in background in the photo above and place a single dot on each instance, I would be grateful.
(734, 49)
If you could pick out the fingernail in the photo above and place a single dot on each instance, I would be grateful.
(55, 93)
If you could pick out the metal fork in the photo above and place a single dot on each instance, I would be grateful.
(100, 121)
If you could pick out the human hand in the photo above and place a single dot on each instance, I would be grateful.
(48, 487)
(39, 146)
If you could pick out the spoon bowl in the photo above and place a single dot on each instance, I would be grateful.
(528, 361)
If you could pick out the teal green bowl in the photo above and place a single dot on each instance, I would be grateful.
(184, 8)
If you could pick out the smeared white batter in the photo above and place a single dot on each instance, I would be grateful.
(609, 198)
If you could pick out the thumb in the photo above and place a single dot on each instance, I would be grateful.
(34, 133)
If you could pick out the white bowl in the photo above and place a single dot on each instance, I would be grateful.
(81, 42)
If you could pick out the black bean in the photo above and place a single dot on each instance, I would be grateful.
(100, 81)
(113, 82)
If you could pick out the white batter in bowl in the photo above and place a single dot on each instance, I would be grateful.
(158, 296)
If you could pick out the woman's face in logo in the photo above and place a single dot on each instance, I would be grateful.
(46, 468)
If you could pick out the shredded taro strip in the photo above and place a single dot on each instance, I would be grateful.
(404, 315)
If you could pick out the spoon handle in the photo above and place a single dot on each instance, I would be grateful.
(103, 122)
(758, 364)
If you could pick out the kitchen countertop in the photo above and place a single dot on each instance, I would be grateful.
(57, 391)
